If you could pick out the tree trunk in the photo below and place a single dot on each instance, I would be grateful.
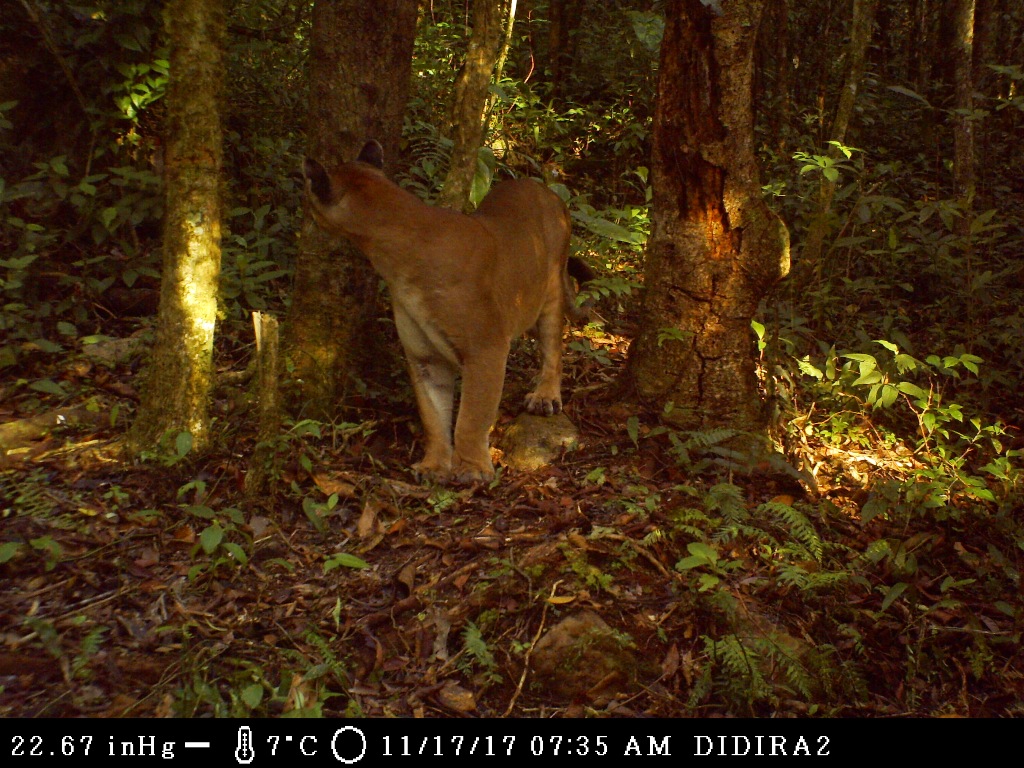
(860, 38)
(963, 124)
(783, 77)
(563, 18)
(360, 66)
(176, 387)
(470, 101)
(715, 248)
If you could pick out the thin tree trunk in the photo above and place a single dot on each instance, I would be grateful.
(470, 101)
(783, 77)
(963, 124)
(176, 388)
(860, 38)
(964, 179)
(360, 66)
(267, 389)
(715, 248)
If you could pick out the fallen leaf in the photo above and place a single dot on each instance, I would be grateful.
(330, 484)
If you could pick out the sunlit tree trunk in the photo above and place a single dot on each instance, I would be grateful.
(470, 100)
(176, 386)
(715, 247)
(360, 66)
(860, 37)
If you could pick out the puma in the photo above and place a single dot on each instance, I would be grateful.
(462, 288)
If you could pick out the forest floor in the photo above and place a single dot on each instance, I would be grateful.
(162, 588)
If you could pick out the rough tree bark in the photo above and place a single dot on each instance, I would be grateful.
(470, 101)
(360, 65)
(176, 386)
(715, 248)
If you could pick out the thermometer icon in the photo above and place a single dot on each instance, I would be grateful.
(244, 752)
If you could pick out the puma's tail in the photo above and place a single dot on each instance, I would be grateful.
(576, 269)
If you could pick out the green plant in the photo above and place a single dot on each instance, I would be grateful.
(218, 541)
(478, 650)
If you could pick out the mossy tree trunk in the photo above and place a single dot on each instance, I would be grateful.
(470, 101)
(176, 386)
(360, 66)
(715, 247)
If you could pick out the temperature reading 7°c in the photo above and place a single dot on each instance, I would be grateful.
(347, 745)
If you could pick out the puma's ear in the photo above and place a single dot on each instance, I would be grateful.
(317, 181)
(372, 154)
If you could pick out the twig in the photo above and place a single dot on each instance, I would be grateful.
(529, 652)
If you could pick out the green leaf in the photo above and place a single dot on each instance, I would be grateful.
(183, 443)
(48, 386)
(869, 377)
(912, 389)
(8, 550)
(236, 552)
(344, 559)
(46, 345)
(912, 94)
(633, 429)
(107, 216)
(970, 362)
(892, 593)
(700, 554)
(252, 695)
(608, 229)
(128, 41)
(211, 538)
(690, 562)
(873, 507)
(889, 395)
(808, 369)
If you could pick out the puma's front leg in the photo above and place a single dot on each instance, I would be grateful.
(482, 380)
(546, 398)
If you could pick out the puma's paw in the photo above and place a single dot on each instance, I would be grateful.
(540, 405)
(436, 470)
(465, 471)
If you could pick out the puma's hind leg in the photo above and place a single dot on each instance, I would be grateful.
(433, 381)
(482, 380)
(546, 398)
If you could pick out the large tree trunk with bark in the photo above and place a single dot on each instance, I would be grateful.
(176, 387)
(470, 100)
(361, 62)
(715, 248)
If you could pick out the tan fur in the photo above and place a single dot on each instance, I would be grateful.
(463, 287)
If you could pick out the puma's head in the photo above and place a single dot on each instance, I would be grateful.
(326, 191)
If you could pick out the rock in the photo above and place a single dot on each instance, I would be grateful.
(531, 442)
(582, 657)
(113, 352)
